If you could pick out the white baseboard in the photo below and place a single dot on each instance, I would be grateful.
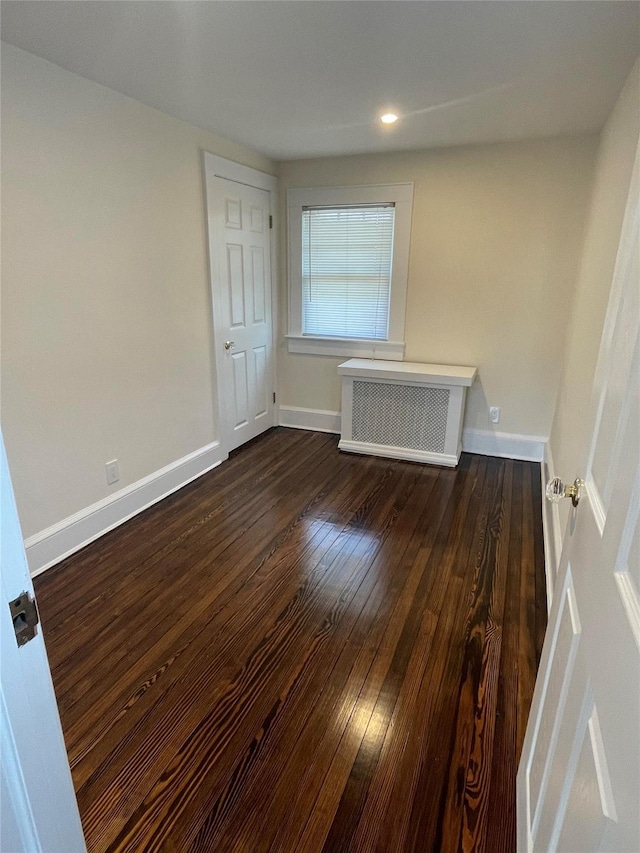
(529, 448)
(391, 452)
(551, 526)
(52, 545)
(317, 420)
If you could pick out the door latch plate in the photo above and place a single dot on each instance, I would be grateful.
(24, 615)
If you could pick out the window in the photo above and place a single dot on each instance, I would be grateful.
(348, 263)
(346, 270)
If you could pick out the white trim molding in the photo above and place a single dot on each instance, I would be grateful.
(401, 195)
(529, 448)
(382, 350)
(230, 170)
(52, 545)
(316, 420)
(390, 452)
(506, 445)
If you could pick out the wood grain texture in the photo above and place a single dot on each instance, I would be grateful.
(304, 650)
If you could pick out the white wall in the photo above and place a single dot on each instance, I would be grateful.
(495, 245)
(106, 325)
(618, 143)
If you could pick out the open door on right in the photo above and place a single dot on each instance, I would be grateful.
(579, 777)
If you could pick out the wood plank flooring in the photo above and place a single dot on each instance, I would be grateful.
(303, 651)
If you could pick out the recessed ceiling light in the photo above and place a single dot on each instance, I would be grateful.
(388, 118)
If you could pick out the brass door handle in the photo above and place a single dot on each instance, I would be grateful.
(229, 345)
(556, 490)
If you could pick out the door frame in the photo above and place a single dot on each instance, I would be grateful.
(213, 167)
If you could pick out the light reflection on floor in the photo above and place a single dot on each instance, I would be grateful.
(351, 546)
(369, 722)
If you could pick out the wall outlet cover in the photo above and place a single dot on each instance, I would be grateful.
(113, 474)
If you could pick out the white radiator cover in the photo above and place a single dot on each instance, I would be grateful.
(404, 410)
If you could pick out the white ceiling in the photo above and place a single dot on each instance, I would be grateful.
(299, 79)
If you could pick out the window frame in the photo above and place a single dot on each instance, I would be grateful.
(401, 195)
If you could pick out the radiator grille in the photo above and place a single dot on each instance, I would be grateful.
(412, 416)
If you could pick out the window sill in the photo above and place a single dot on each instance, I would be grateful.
(383, 350)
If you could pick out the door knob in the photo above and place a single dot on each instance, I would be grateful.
(229, 345)
(556, 490)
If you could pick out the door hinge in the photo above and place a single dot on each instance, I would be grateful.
(270, 221)
(274, 396)
(24, 615)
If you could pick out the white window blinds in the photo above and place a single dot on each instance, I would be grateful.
(346, 270)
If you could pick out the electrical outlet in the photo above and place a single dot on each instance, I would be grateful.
(494, 414)
(113, 475)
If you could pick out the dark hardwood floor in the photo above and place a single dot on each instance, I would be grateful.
(305, 650)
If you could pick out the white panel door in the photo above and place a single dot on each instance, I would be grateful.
(239, 218)
(579, 777)
(38, 809)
